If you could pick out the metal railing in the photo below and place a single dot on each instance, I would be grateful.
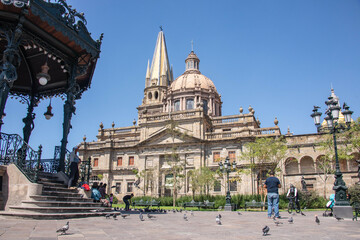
(52, 165)
(13, 149)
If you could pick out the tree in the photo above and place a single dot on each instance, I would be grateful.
(352, 137)
(147, 176)
(265, 154)
(207, 179)
(194, 180)
(325, 163)
(201, 179)
(173, 160)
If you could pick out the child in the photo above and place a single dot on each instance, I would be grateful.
(111, 198)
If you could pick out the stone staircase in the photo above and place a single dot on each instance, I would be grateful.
(56, 202)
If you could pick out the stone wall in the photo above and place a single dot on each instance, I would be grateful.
(16, 187)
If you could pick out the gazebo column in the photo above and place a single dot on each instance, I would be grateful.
(69, 110)
(10, 62)
(29, 120)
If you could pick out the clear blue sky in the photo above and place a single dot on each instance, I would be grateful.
(278, 56)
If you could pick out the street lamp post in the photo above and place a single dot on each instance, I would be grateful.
(226, 168)
(86, 170)
(89, 169)
(333, 126)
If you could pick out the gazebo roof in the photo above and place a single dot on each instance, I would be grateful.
(54, 34)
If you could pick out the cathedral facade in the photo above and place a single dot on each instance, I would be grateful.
(182, 116)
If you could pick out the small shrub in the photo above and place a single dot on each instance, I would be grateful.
(354, 192)
(311, 200)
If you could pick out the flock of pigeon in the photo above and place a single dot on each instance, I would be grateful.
(218, 218)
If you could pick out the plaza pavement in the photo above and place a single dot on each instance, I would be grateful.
(172, 226)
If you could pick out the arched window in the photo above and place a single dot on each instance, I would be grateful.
(307, 165)
(291, 166)
(177, 105)
(205, 106)
(189, 104)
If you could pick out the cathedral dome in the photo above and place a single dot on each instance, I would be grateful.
(193, 81)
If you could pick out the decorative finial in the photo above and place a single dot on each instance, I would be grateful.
(101, 125)
(250, 109)
(84, 138)
(276, 122)
(258, 122)
(192, 45)
(241, 109)
(134, 122)
(161, 28)
(113, 125)
(288, 130)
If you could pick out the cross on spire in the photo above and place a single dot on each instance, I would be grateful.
(192, 45)
(161, 28)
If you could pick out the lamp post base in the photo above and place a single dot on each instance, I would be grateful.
(343, 212)
(228, 207)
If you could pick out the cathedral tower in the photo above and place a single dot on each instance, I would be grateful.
(158, 77)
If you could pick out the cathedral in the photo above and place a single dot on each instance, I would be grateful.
(182, 116)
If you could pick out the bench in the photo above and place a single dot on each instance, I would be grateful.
(205, 204)
(255, 204)
(143, 203)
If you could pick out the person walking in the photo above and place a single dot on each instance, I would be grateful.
(126, 200)
(74, 170)
(272, 184)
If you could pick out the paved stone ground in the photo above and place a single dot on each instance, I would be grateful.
(172, 226)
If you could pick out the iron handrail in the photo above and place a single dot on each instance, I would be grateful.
(13, 149)
(51, 165)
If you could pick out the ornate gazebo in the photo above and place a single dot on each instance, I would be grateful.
(47, 52)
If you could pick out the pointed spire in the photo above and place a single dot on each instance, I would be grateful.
(160, 68)
(147, 81)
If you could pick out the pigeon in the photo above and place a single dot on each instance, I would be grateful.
(63, 229)
(185, 217)
(265, 230)
(338, 218)
(181, 210)
(217, 219)
(107, 216)
(274, 218)
(114, 216)
(317, 220)
(239, 213)
(303, 214)
(291, 220)
(174, 211)
(124, 215)
(220, 216)
(192, 213)
(141, 217)
(277, 223)
(150, 216)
